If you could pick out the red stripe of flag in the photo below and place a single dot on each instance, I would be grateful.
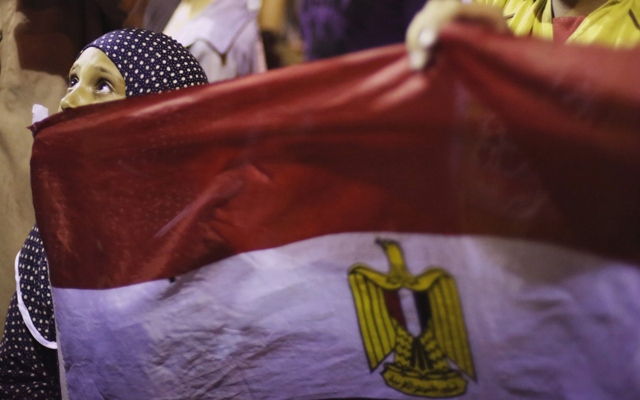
(156, 186)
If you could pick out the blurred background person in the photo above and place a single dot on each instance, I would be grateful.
(223, 35)
(294, 31)
(334, 27)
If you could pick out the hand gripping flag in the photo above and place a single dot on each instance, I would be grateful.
(349, 228)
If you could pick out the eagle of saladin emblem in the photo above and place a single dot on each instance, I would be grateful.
(434, 363)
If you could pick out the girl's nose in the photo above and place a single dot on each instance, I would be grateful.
(77, 97)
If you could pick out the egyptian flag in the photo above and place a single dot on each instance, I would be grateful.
(349, 228)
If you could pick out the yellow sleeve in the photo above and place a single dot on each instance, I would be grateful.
(496, 3)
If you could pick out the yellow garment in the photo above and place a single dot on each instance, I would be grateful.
(615, 23)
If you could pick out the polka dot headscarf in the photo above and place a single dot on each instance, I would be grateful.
(150, 62)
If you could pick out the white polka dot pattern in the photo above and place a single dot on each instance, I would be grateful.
(33, 268)
(150, 62)
(28, 370)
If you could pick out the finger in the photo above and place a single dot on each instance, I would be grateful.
(419, 22)
(422, 34)
(418, 59)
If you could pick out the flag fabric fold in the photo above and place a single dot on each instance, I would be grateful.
(349, 228)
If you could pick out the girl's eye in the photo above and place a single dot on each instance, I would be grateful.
(73, 80)
(104, 87)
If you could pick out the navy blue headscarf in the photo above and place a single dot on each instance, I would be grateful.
(150, 62)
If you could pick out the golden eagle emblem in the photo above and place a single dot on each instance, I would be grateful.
(430, 364)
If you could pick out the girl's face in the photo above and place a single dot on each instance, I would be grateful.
(93, 79)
